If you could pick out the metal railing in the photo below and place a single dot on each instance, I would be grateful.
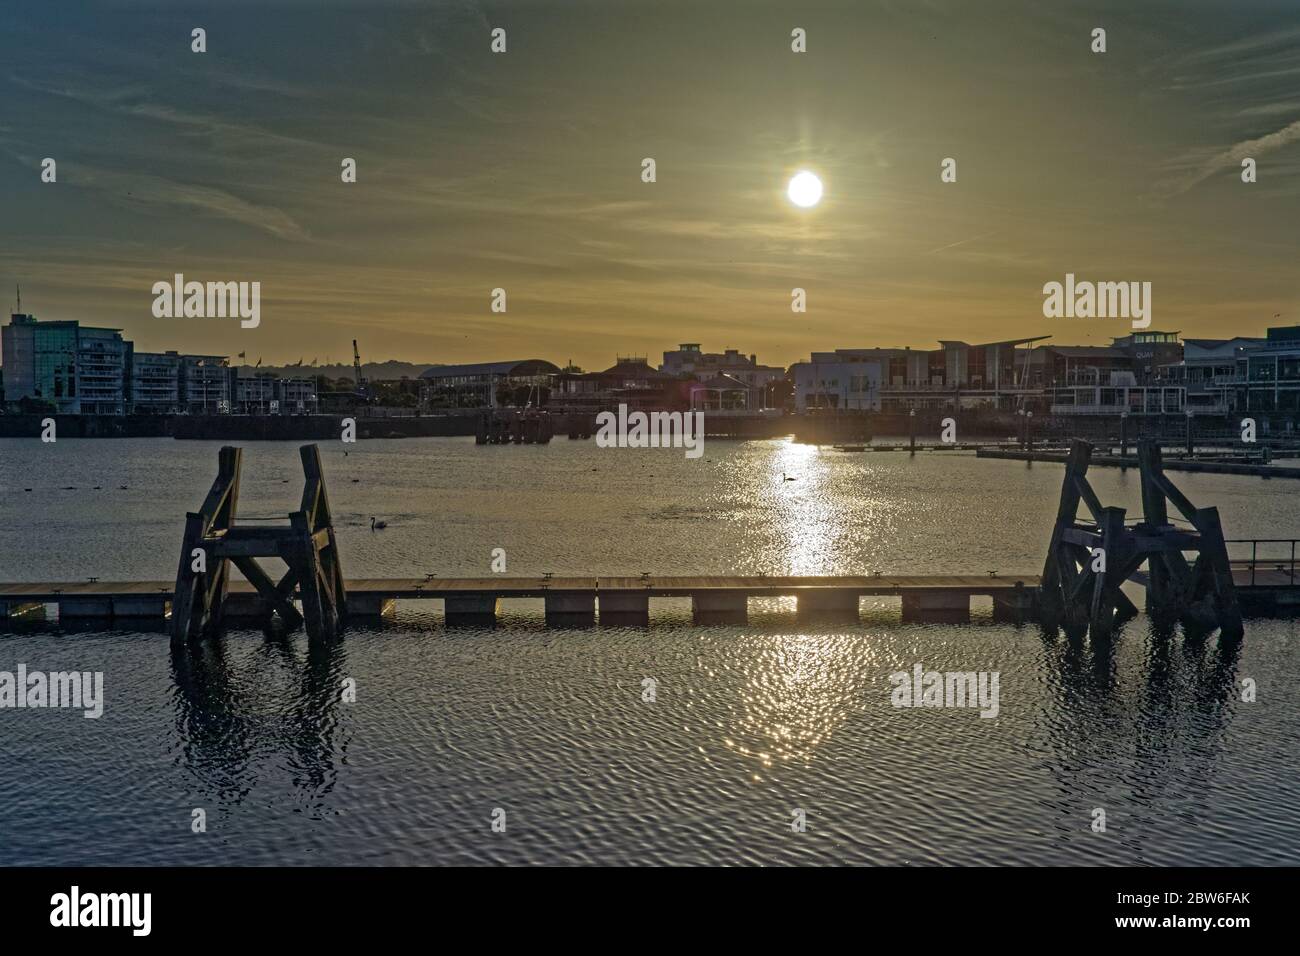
(1280, 564)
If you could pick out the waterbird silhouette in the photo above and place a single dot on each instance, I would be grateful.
(377, 525)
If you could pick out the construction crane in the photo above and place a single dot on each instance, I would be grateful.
(356, 365)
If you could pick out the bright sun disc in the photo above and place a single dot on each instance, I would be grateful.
(804, 190)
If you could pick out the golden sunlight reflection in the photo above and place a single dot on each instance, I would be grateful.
(805, 519)
(798, 689)
(806, 511)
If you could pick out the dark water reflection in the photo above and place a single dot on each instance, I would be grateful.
(221, 730)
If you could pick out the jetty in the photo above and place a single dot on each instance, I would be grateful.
(508, 426)
(1189, 573)
(567, 601)
(1217, 465)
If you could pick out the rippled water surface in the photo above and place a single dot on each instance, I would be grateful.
(749, 723)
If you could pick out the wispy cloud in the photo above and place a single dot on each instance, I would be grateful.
(960, 242)
(130, 101)
(1203, 168)
(154, 190)
(142, 189)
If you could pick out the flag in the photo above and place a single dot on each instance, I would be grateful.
(241, 354)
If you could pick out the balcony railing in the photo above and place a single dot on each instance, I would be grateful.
(1217, 409)
(968, 388)
(1282, 557)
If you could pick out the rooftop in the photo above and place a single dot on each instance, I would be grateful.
(720, 381)
(1088, 351)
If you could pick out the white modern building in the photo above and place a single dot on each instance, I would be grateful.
(155, 382)
(846, 379)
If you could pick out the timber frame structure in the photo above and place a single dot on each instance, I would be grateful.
(306, 545)
(1087, 561)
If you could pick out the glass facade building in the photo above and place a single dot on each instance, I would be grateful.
(55, 357)
(76, 368)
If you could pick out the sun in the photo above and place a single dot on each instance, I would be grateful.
(805, 189)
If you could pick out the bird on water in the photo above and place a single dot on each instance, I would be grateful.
(377, 525)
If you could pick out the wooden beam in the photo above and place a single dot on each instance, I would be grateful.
(1089, 497)
(1058, 578)
(321, 521)
(304, 559)
(216, 509)
(1215, 549)
(186, 584)
(1105, 587)
(273, 594)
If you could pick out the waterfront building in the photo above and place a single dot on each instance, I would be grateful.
(629, 381)
(1214, 361)
(1057, 366)
(76, 368)
(88, 370)
(264, 393)
(297, 396)
(1117, 392)
(1273, 373)
(688, 362)
(721, 393)
(155, 383)
(1242, 374)
(846, 379)
(1124, 377)
(1149, 351)
(955, 375)
(487, 384)
(205, 384)
(103, 358)
(254, 392)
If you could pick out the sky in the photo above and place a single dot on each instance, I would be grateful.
(522, 170)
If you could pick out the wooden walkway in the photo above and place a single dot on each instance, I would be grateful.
(568, 600)
(512, 587)
(618, 600)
